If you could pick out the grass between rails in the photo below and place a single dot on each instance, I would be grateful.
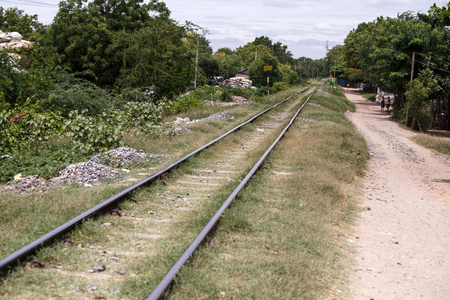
(284, 236)
(92, 232)
(25, 218)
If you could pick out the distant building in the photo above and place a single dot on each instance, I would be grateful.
(244, 73)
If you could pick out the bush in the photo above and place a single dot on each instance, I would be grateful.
(77, 94)
(46, 162)
(140, 117)
(280, 86)
(185, 103)
(92, 134)
(22, 127)
(227, 94)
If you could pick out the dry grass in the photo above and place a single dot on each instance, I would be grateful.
(438, 144)
(284, 238)
(33, 215)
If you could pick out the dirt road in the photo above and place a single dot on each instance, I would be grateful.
(403, 234)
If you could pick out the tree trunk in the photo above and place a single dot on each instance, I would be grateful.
(431, 114)
(413, 123)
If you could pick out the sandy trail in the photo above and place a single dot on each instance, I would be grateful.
(402, 236)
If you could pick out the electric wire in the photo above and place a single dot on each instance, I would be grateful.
(31, 3)
(431, 66)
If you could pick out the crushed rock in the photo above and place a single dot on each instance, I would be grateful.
(32, 183)
(87, 173)
(120, 157)
(180, 123)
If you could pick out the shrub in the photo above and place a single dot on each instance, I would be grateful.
(226, 95)
(22, 127)
(140, 117)
(77, 94)
(92, 134)
(280, 86)
(185, 103)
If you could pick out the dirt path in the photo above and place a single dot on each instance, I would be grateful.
(403, 235)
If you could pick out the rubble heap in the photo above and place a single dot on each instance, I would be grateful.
(13, 41)
(120, 157)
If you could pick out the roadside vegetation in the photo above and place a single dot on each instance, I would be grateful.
(96, 78)
(285, 235)
(371, 97)
(438, 144)
(382, 54)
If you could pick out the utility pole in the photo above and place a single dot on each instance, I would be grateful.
(335, 65)
(410, 87)
(196, 63)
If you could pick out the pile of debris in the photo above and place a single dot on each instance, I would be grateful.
(238, 82)
(120, 157)
(21, 185)
(13, 41)
(87, 173)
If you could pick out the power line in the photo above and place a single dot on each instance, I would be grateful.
(432, 66)
(31, 3)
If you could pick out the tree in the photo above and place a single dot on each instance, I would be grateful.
(421, 88)
(336, 62)
(257, 73)
(156, 57)
(394, 48)
(82, 34)
(279, 50)
(13, 19)
(251, 52)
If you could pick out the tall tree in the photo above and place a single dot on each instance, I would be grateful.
(13, 19)
(82, 33)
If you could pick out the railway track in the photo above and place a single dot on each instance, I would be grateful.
(154, 217)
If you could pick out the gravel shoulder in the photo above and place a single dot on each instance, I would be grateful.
(402, 236)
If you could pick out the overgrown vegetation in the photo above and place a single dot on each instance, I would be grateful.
(284, 237)
(102, 71)
(438, 144)
(381, 53)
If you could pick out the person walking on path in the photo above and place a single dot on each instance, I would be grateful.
(382, 103)
(388, 103)
(402, 235)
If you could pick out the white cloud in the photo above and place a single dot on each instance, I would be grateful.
(303, 25)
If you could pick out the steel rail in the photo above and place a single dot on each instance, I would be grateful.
(168, 278)
(50, 236)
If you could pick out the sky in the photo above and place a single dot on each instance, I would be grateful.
(305, 26)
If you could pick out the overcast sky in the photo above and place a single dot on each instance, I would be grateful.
(304, 26)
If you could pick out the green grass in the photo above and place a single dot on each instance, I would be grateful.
(441, 145)
(27, 217)
(284, 236)
(371, 97)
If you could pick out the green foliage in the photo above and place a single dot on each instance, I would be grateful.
(185, 103)
(280, 86)
(226, 95)
(259, 76)
(26, 78)
(44, 161)
(278, 50)
(23, 127)
(421, 88)
(71, 94)
(141, 116)
(155, 56)
(92, 134)
(14, 19)
(122, 44)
